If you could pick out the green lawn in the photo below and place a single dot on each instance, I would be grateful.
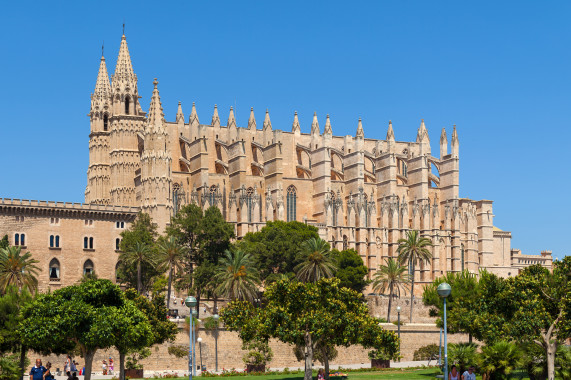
(396, 373)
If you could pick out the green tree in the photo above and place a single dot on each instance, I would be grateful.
(459, 304)
(92, 315)
(137, 256)
(500, 359)
(307, 314)
(276, 247)
(144, 232)
(413, 250)
(463, 355)
(17, 269)
(11, 304)
(316, 261)
(237, 276)
(350, 269)
(392, 276)
(170, 254)
(4, 242)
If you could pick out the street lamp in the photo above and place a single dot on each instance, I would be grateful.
(190, 302)
(216, 316)
(398, 321)
(443, 291)
(199, 340)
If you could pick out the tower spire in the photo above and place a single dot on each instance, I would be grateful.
(124, 69)
(102, 85)
(156, 117)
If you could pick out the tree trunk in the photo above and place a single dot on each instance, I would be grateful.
(411, 291)
(469, 337)
(198, 303)
(551, 349)
(139, 282)
(169, 289)
(390, 302)
(308, 357)
(121, 366)
(89, 354)
(215, 303)
(22, 361)
(326, 364)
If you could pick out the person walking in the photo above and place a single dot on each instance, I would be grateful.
(111, 366)
(48, 373)
(104, 367)
(37, 372)
(67, 366)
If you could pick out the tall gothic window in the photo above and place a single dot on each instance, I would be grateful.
(88, 267)
(127, 104)
(291, 203)
(345, 243)
(54, 269)
(105, 122)
(462, 256)
(249, 195)
(212, 195)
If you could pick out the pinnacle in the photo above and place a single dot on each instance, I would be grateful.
(252, 119)
(102, 85)
(360, 132)
(193, 119)
(295, 126)
(215, 117)
(156, 117)
(314, 124)
(267, 122)
(328, 130)
(124, 68)
(390, 132)
(231, 119)
(179, 114)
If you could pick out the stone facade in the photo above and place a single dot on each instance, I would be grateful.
(360, 192)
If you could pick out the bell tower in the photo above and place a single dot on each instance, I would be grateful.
(98, 172)
(126, 124)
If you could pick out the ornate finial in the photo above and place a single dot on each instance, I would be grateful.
(193, 104)
(123, 26)
(295, 113)
(251, 108)
(155, 82)
(179, 103)
(231, 108)
(102, 49)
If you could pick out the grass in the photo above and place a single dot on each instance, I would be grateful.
(394, 373)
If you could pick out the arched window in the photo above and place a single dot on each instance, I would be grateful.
(127, 104)
(90, 243)
(345, 243)
(88, 267)
(86, 243)
(54, 241)
(20, 239)
(105, 122)
(117, 279)
(54, 269)
(212, 195)
(117, 244)
(291, 203)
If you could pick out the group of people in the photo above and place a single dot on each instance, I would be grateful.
(70, 368)
(467, 375)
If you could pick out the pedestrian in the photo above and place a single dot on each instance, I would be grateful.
(104, 366)
(67, 366)
(37, 372)
(469, 374)
(48, 374)
(74, 376)
(73, 366)
(111, 366)
(453, 375)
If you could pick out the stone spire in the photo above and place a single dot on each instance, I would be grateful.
(390, 132)
(360, 132)
(179, 114)
(314, 125)
(422, 134)
(443, 144)
(155, 117)
(455, 144)
(267, 122)
(193, 119)
(328, 130)
(102, 85)
(124, 75)
(215, 118)
(295, 126)
(252, 120)
(231, 119)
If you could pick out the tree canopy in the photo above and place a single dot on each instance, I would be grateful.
(276, 247)
(351, 271)
(307, 314)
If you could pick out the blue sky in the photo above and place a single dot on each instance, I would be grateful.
(500, 71)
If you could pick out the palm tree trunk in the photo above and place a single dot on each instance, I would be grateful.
(411, 291)
(390, 302)
(139, 282)
(169, 289)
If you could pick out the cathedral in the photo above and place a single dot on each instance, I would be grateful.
(360, 193)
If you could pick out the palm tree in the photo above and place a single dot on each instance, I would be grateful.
(413, 250)
(500, 359)
(17, 269)
(139, 254)
(392, 276)
(317, 262)
(170, 254)
(237, 277)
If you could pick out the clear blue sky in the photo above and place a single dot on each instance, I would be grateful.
(500, 71)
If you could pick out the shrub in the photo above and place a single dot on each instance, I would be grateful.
(178, 351)
(497, 361)
(463, 355)
(210, 323)
(259, 352)
(9, 367)
(428, 352)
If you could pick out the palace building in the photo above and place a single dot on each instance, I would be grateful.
(361, 193)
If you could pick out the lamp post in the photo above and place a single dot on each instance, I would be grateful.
(216, 316)
(199, 340)
(398, 320)
(444, 291)
(190, 302)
